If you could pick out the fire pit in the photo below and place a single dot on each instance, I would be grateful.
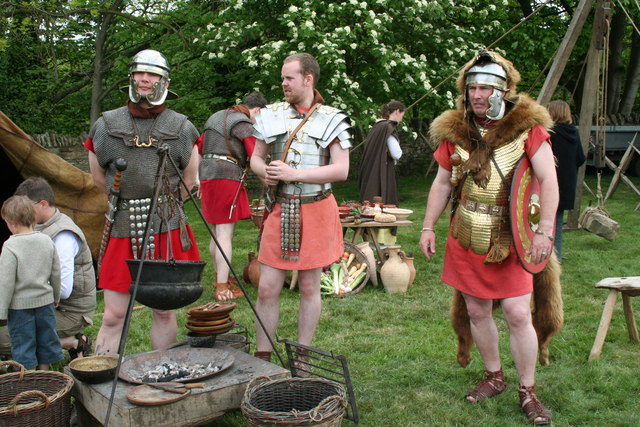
(179, 364)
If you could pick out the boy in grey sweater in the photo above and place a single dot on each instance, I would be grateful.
(29, 287)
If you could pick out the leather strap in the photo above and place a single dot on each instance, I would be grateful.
(287, 144)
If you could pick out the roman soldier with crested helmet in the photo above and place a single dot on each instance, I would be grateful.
(480, 145)
(134, 133)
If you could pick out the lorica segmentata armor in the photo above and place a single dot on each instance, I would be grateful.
(310, 147)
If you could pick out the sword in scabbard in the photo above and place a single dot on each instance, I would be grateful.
(112, 207)
(235, 197)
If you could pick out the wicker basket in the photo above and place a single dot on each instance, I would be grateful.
(360, 257)
(294, 401)
(32, 398)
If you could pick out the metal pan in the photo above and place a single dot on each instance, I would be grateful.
(135, 365)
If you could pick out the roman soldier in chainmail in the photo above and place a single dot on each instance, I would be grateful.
(302, 232)
(480, 144)
(225, 148)
(134, 133)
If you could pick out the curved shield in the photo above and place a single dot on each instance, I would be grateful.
(524, 210)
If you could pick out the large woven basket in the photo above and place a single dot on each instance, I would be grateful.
(34, 398)
(294, 401)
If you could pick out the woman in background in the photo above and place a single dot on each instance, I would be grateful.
(567, 149)
(381, 153)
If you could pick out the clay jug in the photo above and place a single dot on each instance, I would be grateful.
(408, 259)
(251, 271)
(395, 272)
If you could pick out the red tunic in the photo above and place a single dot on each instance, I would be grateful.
(217, 195)
(322, 242)
(465, 270)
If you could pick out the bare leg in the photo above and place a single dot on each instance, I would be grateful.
(43, 367)
(115, 309)
(522, 337)
(224, 234)
(163, 329)
(310, 304)
(484, 330)
(268, 304)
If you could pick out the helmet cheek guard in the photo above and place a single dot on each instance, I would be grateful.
(149, 61)
(490, 74)
(496, 105)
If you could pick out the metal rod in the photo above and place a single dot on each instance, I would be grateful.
(163, 151)
(226, 260)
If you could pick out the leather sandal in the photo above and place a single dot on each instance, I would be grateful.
(300, 364)
(227, 292)
(532, 407)
(233, 287)
(83, 346)
(492, 385)
(264, 355)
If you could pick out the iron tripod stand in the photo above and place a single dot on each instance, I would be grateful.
(163, 153)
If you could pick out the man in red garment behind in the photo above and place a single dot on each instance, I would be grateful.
(134, 132)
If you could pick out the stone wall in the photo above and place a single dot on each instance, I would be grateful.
(70, 148)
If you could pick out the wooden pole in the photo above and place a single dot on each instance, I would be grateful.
(564, 51)
(589, 97)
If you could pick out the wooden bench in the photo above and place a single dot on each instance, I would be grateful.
(629, 287)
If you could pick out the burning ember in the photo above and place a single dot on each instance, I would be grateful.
(173, 371)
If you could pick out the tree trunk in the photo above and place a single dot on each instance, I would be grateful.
(616, 68)
(525, 6)
(99, 61)
(633, 77)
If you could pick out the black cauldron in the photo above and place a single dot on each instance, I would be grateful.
(167, 285)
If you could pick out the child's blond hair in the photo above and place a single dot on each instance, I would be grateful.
(19, 210)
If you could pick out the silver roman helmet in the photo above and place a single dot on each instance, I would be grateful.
(488, 73)
(150, 61)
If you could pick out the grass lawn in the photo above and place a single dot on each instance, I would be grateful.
(401, 348)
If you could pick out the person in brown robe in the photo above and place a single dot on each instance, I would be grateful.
(381, 153)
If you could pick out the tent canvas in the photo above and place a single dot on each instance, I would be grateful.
(76, 195)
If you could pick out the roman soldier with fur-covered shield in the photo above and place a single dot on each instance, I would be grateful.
(134, 133)
(481, 144)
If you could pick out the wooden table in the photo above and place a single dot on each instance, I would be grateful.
(368, 229)
(221, 393)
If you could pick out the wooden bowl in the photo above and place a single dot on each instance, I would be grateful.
(200, 322)
(218, 329)
(399, 213)
(94, 369)
(211, 311)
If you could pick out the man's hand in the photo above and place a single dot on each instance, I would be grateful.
(428, 243)
(280, 171)
(541, 248)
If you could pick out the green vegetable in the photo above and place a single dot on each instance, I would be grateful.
(336, 270)
(358, 279)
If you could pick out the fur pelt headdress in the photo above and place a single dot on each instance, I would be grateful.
(458, 126)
